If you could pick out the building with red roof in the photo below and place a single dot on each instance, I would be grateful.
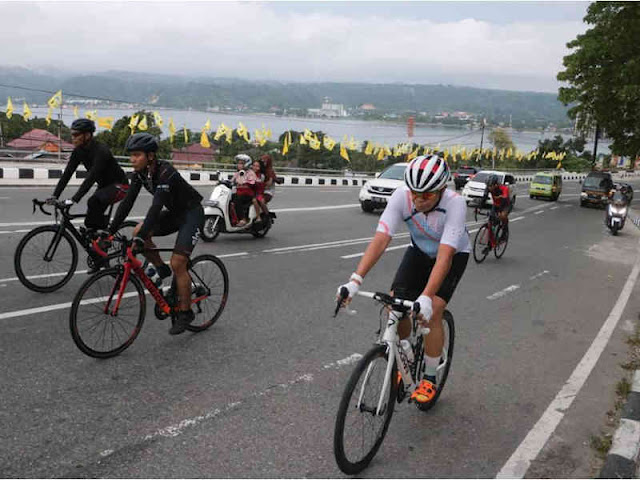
(38, 139)
(195, 155)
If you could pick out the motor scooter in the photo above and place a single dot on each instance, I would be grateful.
(220, 215)
(616, 212)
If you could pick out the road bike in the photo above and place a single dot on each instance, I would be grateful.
(47, 257)
(109, 310)
(490, 236)
(374, 387)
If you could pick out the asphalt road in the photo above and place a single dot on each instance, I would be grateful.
(256, 395)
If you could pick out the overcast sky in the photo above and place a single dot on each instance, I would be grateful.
(507, 45)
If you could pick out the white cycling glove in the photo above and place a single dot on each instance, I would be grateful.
(68, 202)
(355, 281)
(426, 308)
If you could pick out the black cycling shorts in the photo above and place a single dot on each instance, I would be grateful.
(414, 272)
(187, 225)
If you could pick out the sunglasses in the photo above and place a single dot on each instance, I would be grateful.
(424, 195)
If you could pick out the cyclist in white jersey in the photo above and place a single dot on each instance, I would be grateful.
(434, 262)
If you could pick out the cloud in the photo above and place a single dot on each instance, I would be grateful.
(254, 40)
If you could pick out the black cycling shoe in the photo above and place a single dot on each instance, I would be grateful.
(181, 322)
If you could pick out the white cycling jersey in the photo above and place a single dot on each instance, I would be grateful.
(444, 224)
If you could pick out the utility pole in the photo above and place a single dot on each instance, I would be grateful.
(595, 147)
(484, 122)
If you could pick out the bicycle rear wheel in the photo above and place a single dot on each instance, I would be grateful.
(360, 429)
(481, 244)
(442, 372)
(94, 329)
(210, 282)
(33, 270)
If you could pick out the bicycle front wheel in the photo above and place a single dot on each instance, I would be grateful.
(96, 328)
(209, 290)
(502, 244)
(481, 244)
(46, 258)
(360, 427)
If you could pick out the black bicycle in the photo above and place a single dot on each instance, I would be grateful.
(47, 257)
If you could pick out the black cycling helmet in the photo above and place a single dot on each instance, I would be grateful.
(83, 125)
(493, 180)
(141, 142)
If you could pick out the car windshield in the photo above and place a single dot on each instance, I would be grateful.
(542, 179)
(483, 176)
(595, 182)
(395, 172)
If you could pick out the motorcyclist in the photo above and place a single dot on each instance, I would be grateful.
(244, 179)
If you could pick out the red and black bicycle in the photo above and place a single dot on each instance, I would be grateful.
(490, 236)
(109, 309)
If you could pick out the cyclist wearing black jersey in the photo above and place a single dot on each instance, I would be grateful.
(176, 207)
(102, 168)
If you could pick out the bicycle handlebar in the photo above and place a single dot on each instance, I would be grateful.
(40, 204)
(380, 297)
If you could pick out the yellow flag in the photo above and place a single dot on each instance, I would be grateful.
(142, 124)
(48, 117)
(55, 100)
(222, 129)
(343, 153)
(133, 123)
(308, 135)
(302, 140)
(286, 143)
(413, 154)
(207, 126)
(242, 132)
(315, 144)
(26, 111)
(328, 142)
(229, 134)
(267, 132)
(158, 119)
(105, 122)
(204, 139)
(368, 150)
(9, 109)
(186, 134)
(75, 112)
(259, 137)
(172, 129)
(353, 145)
(380, 154)
(91, 114)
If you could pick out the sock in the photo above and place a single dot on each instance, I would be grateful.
(432, 364)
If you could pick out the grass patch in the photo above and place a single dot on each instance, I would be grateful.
(601, 444)
(623, 388)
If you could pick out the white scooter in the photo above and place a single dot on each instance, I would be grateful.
(220, 215)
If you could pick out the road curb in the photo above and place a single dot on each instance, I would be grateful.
(622, 459)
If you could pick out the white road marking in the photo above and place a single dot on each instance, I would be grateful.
(354, 255)
(474, 230)
(60, 274)
(539, 212)
(538, 275)
(15, 231)
(536, 439)
(553, 208)
(337, 243)
(515, 219)
(51, 222)
(178, 428)
(503, 292)
(312, 209)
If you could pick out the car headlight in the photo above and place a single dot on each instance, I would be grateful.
(583, 195)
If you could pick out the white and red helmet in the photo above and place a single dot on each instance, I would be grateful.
(428, 173)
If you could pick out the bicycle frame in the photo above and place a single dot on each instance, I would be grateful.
(391, 339)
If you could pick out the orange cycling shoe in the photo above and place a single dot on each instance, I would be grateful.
(425, 392)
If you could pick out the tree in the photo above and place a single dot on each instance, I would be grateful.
(500, 139)
(603, 73)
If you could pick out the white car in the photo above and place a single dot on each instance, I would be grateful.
(376, 193)
(476, 186)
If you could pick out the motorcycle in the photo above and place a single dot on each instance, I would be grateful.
(220, 215)
(616, 212)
